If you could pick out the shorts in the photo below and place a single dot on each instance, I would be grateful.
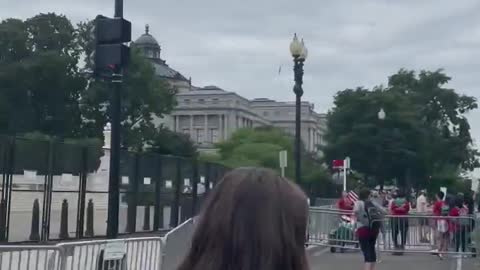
(367, 245)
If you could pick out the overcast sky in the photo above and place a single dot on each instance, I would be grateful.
(240, 45)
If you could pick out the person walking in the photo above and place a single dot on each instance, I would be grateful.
(400, 208)
(253, 219)
(441, 208)
(369, 216)
(458, 226)
(422, 210)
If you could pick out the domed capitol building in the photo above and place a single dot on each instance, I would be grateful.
(211, 114)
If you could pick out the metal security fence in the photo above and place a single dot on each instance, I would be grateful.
(398, 234)
(141, 253)
(58, 190)
(24, 257)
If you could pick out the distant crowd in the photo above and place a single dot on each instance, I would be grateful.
(441, 221)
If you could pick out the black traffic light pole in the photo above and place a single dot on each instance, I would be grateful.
(114, 174)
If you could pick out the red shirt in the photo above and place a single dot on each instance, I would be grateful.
(453, 225)
(437, 208)
(400, 210)
(345, 204)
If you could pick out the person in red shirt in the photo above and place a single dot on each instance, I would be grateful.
(345, 204)
(441, 235)
(437, 206)
(456, 227)
(400, 208)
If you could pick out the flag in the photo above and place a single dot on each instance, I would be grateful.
(279, 69)
(352, 196)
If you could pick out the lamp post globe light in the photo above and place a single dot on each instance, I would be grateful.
(381, 116)
(299, 53)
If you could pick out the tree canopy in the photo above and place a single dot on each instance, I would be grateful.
(261, 147)
(425, 130)
(45, 86)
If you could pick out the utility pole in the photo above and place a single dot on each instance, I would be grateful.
(111, 56)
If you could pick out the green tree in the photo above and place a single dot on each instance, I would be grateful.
(144, 97)
(39, 80)
(261, 147)
(425, 130)
(167, 142)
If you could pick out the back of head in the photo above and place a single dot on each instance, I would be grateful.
(253, 219)
(440, 195)
(364, 194)
(458, 201)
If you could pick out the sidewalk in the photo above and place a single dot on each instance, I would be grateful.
(322, 259)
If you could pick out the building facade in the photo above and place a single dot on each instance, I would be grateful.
(211, 114)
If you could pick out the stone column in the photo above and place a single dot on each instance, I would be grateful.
(177, 123)
(205, 128)
(220, 127)
(226, 126)
(191, 129)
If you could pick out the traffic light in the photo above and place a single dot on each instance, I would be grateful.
(110, 51)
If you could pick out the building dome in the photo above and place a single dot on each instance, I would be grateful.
(146, 39)
(148, 45)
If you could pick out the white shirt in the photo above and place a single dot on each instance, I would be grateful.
(421, 204)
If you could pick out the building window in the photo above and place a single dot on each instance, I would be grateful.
(265, 113)
(199, 135)
(213, 135)
(215, 101)
(186, 131)
(277, 113)
(187, 101)
(201, 101)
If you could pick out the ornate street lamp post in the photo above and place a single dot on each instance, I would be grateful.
(299, 53)
(381, 116)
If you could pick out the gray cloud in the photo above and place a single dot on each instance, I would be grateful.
(239, 45)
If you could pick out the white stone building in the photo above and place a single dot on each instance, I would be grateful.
(210, 114)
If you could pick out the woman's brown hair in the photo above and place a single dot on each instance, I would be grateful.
(253, 220)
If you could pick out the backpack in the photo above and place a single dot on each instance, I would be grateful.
(374, 215)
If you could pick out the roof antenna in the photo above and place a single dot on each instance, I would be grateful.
(147, 29)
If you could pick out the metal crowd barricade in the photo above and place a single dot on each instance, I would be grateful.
(422, 234)
(177, 244)
(414, 233)
(332, 228)
(30, 257)
(134, 254)
(325, 202)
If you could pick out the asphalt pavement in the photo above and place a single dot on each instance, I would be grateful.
(321, 258)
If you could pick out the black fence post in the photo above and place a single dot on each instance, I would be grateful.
(47, 193)
(64, 220)
(3, 220)
(195, 182)
(90, 221)
(82, 192)
(158, 213)
(9, 184)
(176, 197)
(146, 218)
(34, 232)
(132, 196)
(208, 175)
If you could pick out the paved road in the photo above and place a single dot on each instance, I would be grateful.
(321, 259)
